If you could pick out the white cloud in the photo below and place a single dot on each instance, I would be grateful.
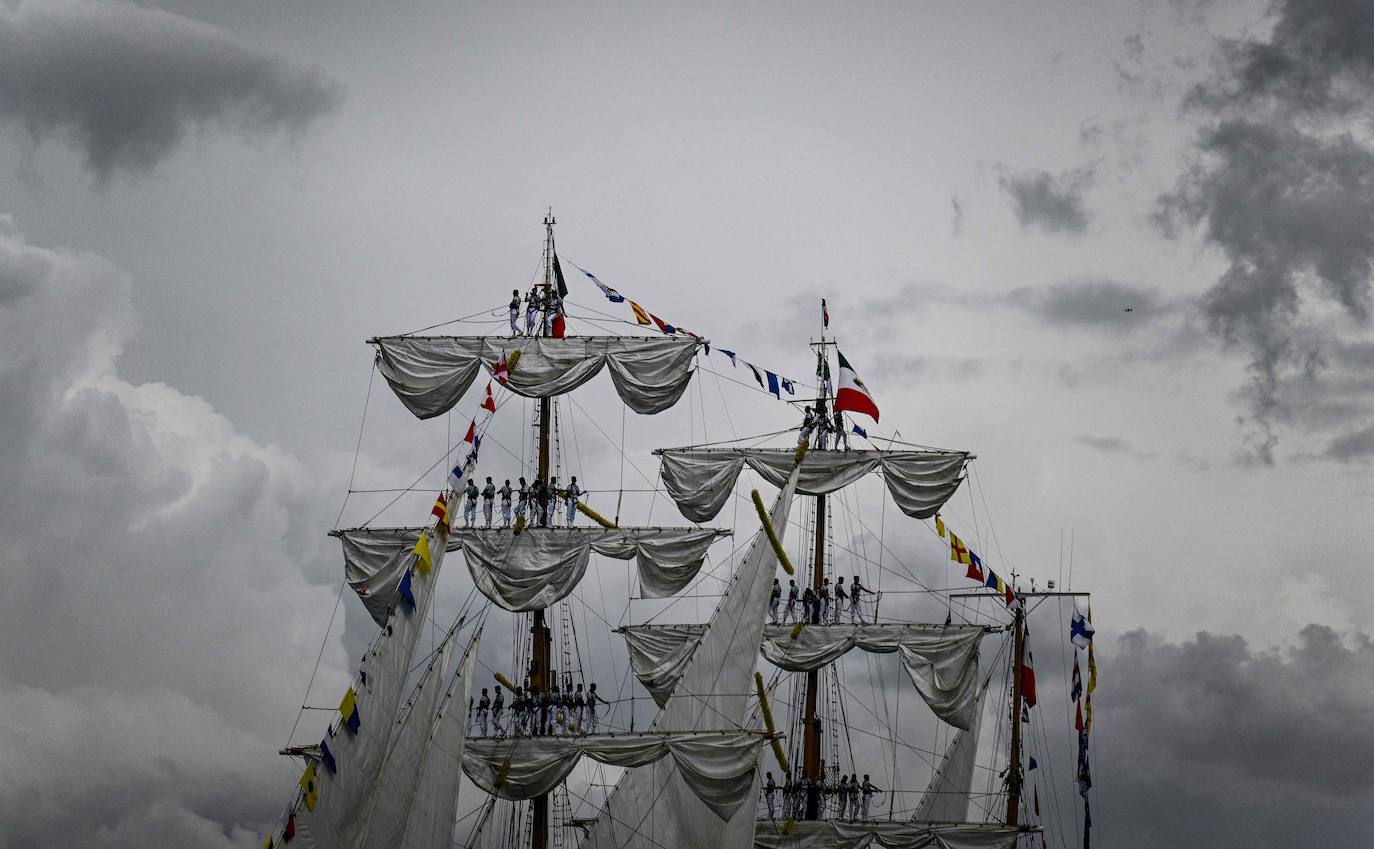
(160, 608)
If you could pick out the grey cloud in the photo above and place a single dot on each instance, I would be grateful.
(1358, 444)
(156, 563)
(1318, 58)
(1110, 445)
(1286, 196)
(123, 83)
(1229, 745)
(1091, 303)
(1050, 203)
(957, 206)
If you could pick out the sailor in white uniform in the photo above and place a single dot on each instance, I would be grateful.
(488, 500)
(470, 504)
(572, 493)
(505, 492)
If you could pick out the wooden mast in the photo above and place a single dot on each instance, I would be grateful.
(539, 631)
(811, 723)
(1014, 765)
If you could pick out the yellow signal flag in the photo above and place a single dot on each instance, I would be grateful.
(958, 552)
(641, 314)
(425, 561)
(1092, 669)
(349, 704)
(310, 788)
(267, 844)
(939, 526)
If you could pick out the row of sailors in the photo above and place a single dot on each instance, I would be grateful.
(816, 606)
(536, 714)
(818, 420)
(849, 799)
(547, 302)
(540, 498)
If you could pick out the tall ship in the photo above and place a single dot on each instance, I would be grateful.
(811, 653)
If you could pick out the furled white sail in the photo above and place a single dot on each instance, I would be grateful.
(701, 480)
(718, 766)
(530, 570)
(434, 806)
(654, 806)
(947, 796)
(539, 566)
(380, 685)
(942, 660)
(430, 373)
(831, 834)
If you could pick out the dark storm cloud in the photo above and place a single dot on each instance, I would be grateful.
(1215, 743)
(1319, 58)
(1044, 201)
(123, 84)
(1286, 192)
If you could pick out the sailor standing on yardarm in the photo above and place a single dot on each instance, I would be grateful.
(531, 309)
(572, 493)
(470, 504)
(790, 612)
(515, 312)
(483, 706)
(488, 500)
(505, 492)
(522, 496)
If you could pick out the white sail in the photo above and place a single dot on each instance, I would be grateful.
(539, 566)
(342, 794)
(388, 803)
(942, 660)
(718, 767)
(434, 806)
(701, 480)
(947, 797)
(659, 654)
(429, 374)
(653, 806)
(375, 560)
(531, 570)
(832, 834)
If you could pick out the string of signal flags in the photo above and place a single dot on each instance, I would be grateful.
(960, 553)
(769, 381)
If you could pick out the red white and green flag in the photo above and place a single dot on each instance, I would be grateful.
(852, 395)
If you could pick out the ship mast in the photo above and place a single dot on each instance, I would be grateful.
(539, 630)
(1014, 767)
(811, 723)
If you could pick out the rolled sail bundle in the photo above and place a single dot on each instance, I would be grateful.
(718, 766)
(429, 374)
(543, 565)
(701, 480)
(942, 660)
(886, 834)
(531, 570)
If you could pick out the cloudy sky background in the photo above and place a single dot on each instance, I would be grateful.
(209, 206)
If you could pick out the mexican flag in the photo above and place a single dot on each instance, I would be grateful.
(852, 395)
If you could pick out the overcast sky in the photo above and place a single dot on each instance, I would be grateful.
(209, 206)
